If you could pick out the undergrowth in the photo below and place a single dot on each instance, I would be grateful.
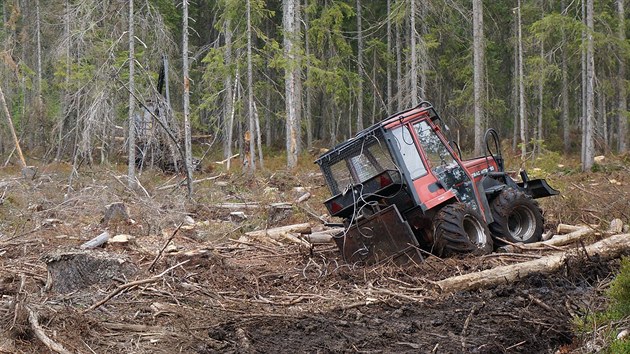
(616, 318)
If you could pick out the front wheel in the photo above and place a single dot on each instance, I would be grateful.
(458, 228)
(517, 217)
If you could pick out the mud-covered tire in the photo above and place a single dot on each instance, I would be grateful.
(517, 217)
(458, 228)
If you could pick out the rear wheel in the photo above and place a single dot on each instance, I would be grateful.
(517, 217)
(458, 228)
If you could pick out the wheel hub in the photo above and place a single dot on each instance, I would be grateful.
(474, 230)
(521, 223)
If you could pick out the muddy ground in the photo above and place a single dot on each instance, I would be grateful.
(210, 292)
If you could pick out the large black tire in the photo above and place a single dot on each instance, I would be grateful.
(517, 217)
(458, 228)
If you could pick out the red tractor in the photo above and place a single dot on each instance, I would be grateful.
(402, 189)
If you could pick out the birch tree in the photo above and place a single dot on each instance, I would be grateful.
(292, 98)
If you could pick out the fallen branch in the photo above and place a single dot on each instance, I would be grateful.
(554, 242)
(41, 335)
(608, 248)
(133, 284)
(157, 256)
(169, 186)
(226, 160)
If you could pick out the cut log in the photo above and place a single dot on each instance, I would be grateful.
(565, 228)
(237, 206)
(273, 233)
(303, 197)
(96, 241)
(574, 236)
(605, 249)
(325, 236)
(283, 233)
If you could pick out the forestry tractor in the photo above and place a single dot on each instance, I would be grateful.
(403, 190)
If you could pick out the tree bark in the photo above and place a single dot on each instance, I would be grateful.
(622, 113)
(389, 66)
(414, 53)
(589, 133)
(521, 86)
(250, 92)
(478, 74)
(566, 128)
(359, 69)
(291, 82)
(541, 87)
(307, 51)
(187, 139)
(228, 100)
(12, 129)
(131, 147)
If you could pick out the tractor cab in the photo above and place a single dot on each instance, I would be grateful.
(391, 182)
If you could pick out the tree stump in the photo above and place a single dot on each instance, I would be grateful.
(71, 270)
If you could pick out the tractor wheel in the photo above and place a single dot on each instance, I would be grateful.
(517, 217)
(458, 228)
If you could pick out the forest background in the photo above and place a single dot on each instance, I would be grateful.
(87, 80)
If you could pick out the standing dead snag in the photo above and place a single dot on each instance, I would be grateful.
(608, 248)
(27, 171)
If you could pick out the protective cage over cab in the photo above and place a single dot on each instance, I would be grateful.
(400, 187)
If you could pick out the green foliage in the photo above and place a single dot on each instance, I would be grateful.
(619, 292)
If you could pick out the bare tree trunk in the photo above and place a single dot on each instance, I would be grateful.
(389, 66)
(187, 138)
(589, 152)
(566, 129)
(414, 54)
(541, 86)
(250, 92)
(66, 104)
(359, 69)
(230, 123)
(622, 112)
(228, 101)
(515, 89)
(478, 74)
(131, 147)
(521, 86)
(308, 113)
(584, 84)
(291, 82)
(39, 58)
(12, 129)
(399, 78)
